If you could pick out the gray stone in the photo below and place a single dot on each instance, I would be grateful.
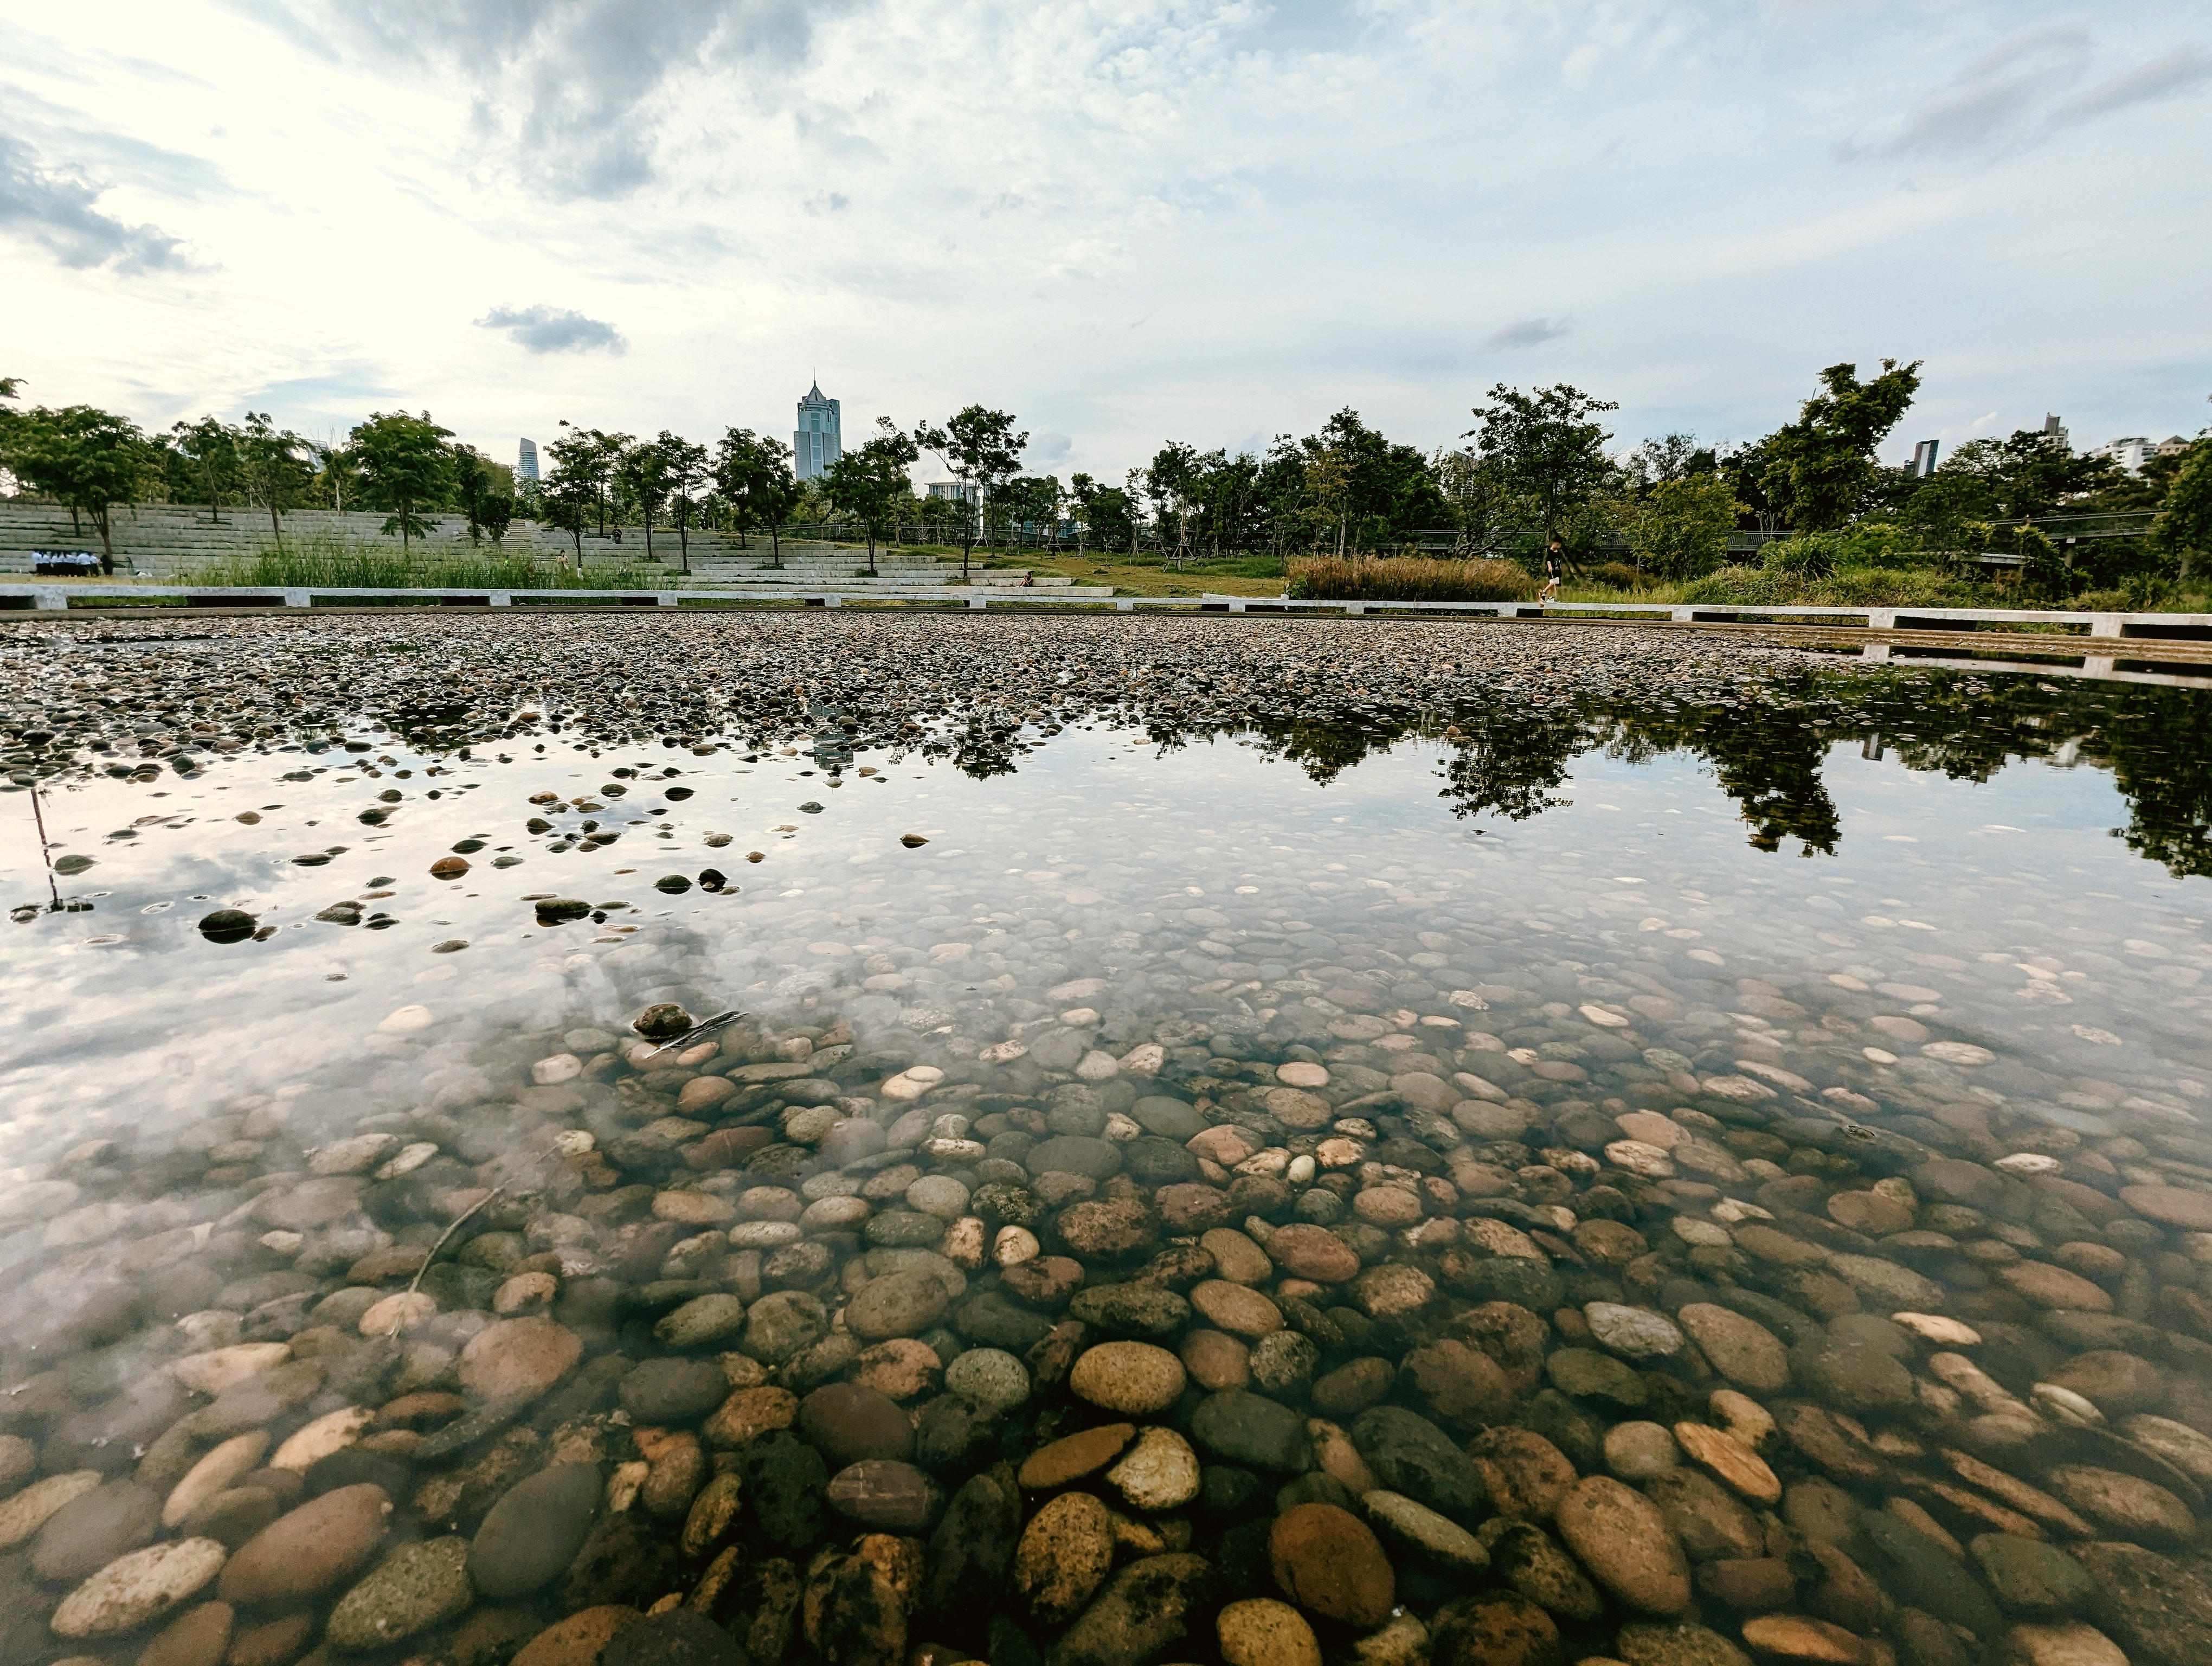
(1410, 1455)
(535, 1531)
(1075, 1153)
(1586, 1374)
(1251, 1430)
(2029, 1576)
(1149, 1312)
(664, 1392)
(1171, 1119)
(91, 1530)
(415, 1588)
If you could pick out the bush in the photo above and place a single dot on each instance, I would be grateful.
(1408, 579)
(1618, 575)
(340, 563)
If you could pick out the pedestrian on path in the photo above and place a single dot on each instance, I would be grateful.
(1555, 569)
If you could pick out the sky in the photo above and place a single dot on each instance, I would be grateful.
(1211, 220)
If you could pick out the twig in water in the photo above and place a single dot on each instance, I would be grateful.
(697, 1031)
(38, 816)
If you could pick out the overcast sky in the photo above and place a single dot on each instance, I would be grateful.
(1123, 222)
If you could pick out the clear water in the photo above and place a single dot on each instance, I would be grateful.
(1968, 913)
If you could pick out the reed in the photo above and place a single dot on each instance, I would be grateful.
(1408, 579)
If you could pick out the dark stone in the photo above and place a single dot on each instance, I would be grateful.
(665, 1393)
(2157, 1610)
(626, 1561)
(783, 1481)
(848, 1423)
(1145, 1311)
(1145, 1609)
(972, 1547)
(1075, 1153)
(677, 1638)
(989, 1320)
(535, 1530)
(886, 1496)
(1252, 1430)
(1920, 1572)
(1410, 1455)
(1153, 1161)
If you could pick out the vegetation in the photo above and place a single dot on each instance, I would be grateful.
(1408, 579)
(344, 564)
(1675, 515)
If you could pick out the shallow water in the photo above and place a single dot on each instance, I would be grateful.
(1810, 999)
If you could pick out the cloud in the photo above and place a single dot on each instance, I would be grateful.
(1526, 332)
(571, 84)
(1047, 447)
(553, 330)
(2013, 98)
(54, 209)
(2165, 76)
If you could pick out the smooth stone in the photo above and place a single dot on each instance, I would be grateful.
(1134, 1378)
(1065, 1553)
(1625, 1542)
(1410, 1455)
(2158, 1609)
(2063, 1643)
(579, 1639)
(886, 1496)
(1260, 1632)
(1635, 1332)
(991, 1380)
(1586, 1374)
(1525, 1474)
(1443, 1542)
(222, 1468)
(1235, 1307)
(534, 1531)
(1138, 1308)
(849, 1424)
(2028, 1576)
(309, 1549)
(1145, 1609)
(1329, 1562)
(2171, 1206)
(1635, 1452)
(1313, 1252)
(897, 1305)
(1524, 1556)
(30, 1509)
(673, 1391)
(416, 1587)
(1159, 1471)
(137, 1588)
(1249, 1429)
(1237, 1257)
(200, 1636)
(701, 1323)
(1642, 1643)
(1796, 1640)
(93, 1529)
(1742, 1349)
(2132, 1508)
(517, 1358)
(1731, 1460)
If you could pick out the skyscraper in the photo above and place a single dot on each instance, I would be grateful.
(814, 443)
(526, 462)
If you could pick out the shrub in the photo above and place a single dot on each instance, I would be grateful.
(1408, 579)
(1618, 575)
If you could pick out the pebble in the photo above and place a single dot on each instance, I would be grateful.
(517, 1358)
(1134, 1378)
(534, 1531)
(1159, 1471)
(1329, 1562)
(1065, 1553)
(1626, 1543)
(138, 1589)
(416, 1587)
(1260, 1632)
(309, 1549)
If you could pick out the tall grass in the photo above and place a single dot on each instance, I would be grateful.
(1408, 579)
(325, 561)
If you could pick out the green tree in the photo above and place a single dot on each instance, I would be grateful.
(404, 468)
(1107, 513)
(85, 458)
(642, 471)
(211, 448)
(687, 477)
(752, 472)
(2183, 527)
(1679, 528)
(1488, 517)
(485, 490)
(273, 466)
(1826, 458)
(1545, 447)
(872, 483)
(569, 493)
(979, 449)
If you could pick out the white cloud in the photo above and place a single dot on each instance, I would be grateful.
(1526, 332)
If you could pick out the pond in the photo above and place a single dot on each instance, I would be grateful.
(869, 1140)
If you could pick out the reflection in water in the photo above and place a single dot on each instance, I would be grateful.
(1162, 1205)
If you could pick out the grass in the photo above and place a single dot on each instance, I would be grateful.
(344, 564)
(1409, 579)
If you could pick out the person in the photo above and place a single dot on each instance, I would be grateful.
(1555, 569)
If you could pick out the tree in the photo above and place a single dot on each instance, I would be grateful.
(1329, 493)
(272, 462)
(2183, 526)
(404, 467)
(81, 457)
(642, 470)
(484, 489)
(872, 483)
(1545, 447)
(979, 449)
(1679, 528)
(211, 449)
(2031, 472)
(1172, 483)
(753, 474)
(1825, 456)
(687, 473)
(569, 491)
(1106, 513)
(1485, 514)
(338, 473)
(1670, 457)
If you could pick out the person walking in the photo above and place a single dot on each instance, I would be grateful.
(1555, 569)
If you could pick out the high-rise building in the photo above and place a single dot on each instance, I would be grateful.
(814, 443)
(2053, 429)
(526, 462)
(1923, 459)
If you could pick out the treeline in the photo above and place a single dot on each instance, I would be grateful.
(1537, 466)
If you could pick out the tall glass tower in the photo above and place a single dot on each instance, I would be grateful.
(526, 462)
(814, 444)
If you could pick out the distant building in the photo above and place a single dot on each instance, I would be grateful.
(2054, 429)
(2132, 453)
(1923, 459)
(814, 443)
(954, 491)
(526, 462)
